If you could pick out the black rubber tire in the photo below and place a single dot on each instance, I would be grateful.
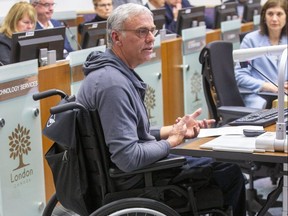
(129, 206)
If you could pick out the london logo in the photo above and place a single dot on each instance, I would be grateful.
(150, 100)
(19, 145)
(196, 85)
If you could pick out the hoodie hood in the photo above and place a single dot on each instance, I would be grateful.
(97, 60)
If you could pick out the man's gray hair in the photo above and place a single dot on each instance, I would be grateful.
(120, 15)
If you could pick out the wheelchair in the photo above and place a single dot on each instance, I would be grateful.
(88, 183)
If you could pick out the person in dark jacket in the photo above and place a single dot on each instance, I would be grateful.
(21, 17)
(112, 87)
(45, 10)
(103, 9)
(172, 8)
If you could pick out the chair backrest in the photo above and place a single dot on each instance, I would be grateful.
(220, 87)
(242, 35)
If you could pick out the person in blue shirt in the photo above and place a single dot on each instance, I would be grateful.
(45, 10)
(273, 31)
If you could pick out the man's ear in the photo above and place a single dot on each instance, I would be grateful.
(116, 38)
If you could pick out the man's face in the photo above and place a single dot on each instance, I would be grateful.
(158, 3)
(103, 8)
(173, 2)
(135, 42)
(45, 9)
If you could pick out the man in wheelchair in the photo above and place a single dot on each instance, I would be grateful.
(112, 87)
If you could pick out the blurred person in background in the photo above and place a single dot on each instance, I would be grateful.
(21, 17)
(103, 9)
(155, 4)
(273, 31)
(172, 8)
(45, 10)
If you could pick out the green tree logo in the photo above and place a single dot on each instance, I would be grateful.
(149, 100)
(19, 145)
(196, 85)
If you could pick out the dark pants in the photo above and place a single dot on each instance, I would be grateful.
(229, 178)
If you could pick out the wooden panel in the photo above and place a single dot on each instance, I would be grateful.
(80, 19)
(246, 27)
(172, 78)
(213, 35)
(69, 22)
(56, 76)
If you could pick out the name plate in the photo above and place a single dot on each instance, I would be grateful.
(231, 36)
(193, 45)
(18, 87)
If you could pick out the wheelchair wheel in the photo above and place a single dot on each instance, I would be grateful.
(50, 206)
(135, 206)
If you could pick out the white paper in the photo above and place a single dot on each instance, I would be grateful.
(233, 143)
(231, 130)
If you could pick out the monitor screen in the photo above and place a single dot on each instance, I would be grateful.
(224, 12)
(251, 8)
(94, 34)
(27, 45)
(190, 17)
(159, 18)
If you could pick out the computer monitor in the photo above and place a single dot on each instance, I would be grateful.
(94, 34)
(190, 17)
(251, 8)
(224, 12)
(159, 18)
(27, 45)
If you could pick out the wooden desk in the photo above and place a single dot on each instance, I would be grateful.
(192, 148)
(172, 80)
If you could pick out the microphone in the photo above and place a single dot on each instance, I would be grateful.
(245, 64)
(72, 36)
(252, 53)
(278, 139)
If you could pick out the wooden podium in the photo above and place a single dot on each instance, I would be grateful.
(172, 78)
(56, 76)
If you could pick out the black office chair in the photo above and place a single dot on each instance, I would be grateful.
(222, 95)
(225, 104)
(88, 183)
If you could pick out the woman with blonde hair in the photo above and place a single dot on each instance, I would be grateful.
(21, 17)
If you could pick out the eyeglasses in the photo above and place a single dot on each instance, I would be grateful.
(46, 5)
(103, 5)
(142, 32)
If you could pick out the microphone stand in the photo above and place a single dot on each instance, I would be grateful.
(72, 36)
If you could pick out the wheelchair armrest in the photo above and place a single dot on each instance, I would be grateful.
(163, 164)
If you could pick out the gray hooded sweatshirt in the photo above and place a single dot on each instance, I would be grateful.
(117, 92)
